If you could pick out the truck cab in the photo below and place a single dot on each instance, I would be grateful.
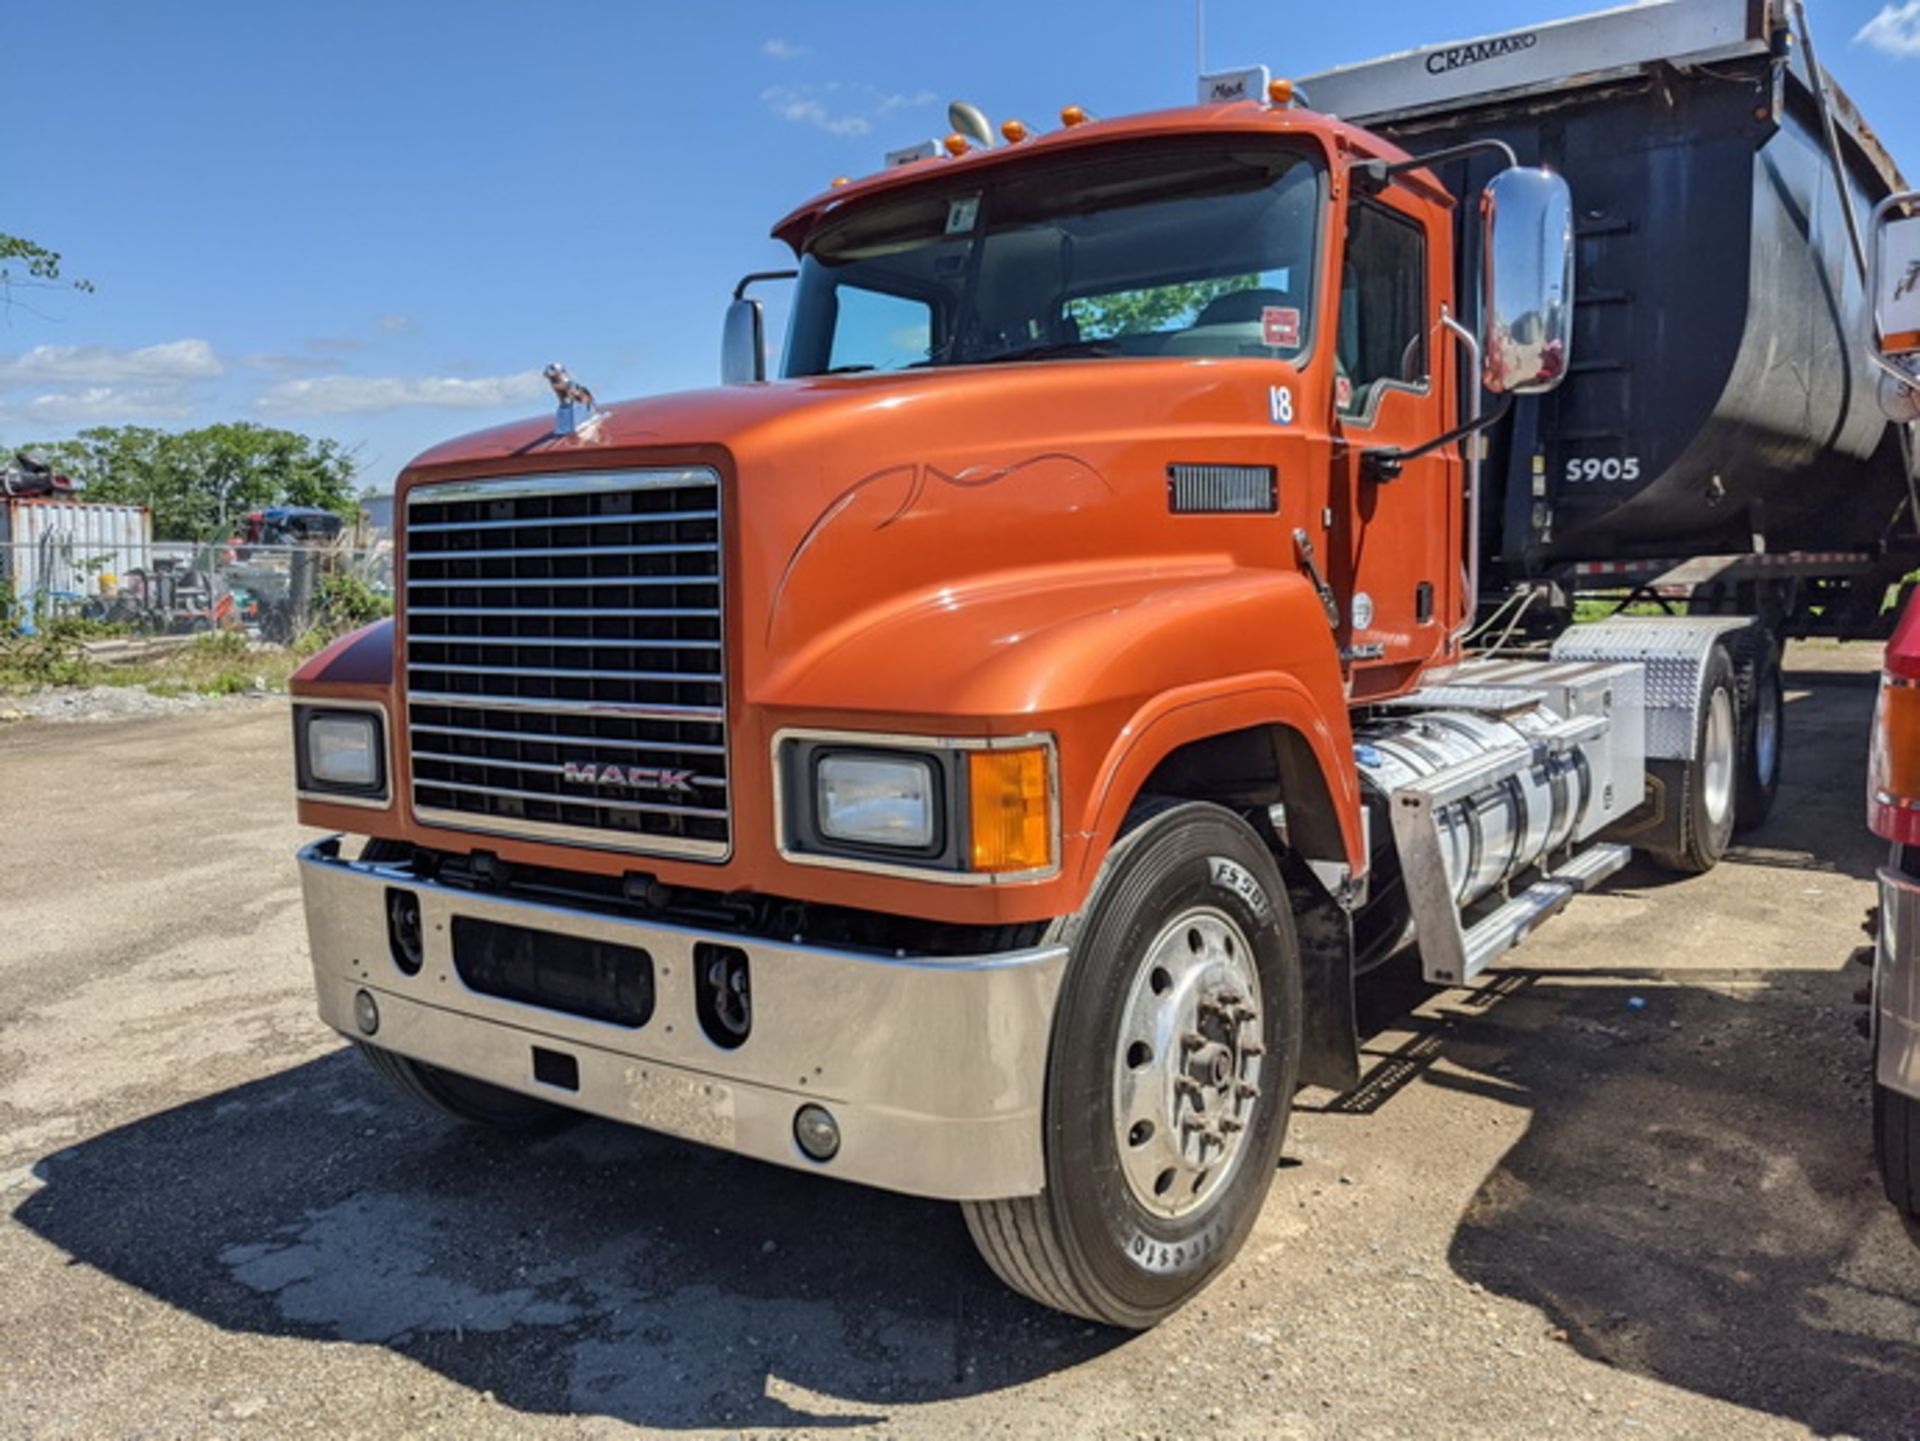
(979, 760)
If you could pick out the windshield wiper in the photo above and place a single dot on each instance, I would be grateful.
(848, 369)
(1047, 351)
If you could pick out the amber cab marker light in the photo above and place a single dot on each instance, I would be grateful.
(1280, 92)
(1010, 807)
(1073, 115)
(840, 180)
(1013, 131)
(957, 145)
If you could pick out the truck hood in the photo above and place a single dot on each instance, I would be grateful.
(859, 499)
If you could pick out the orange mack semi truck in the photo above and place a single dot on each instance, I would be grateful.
(981, 761)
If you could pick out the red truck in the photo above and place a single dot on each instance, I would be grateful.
(980, 762)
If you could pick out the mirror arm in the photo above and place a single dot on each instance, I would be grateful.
(1374, 174)
(740, 290)
(1384, 464)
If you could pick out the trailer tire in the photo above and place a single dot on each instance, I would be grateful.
(1707, 786)
(464, 1099)
(1182, 990)
(1762, 727)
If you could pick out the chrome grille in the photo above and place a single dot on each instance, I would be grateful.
(566, 675)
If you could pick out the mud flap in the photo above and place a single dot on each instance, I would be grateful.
(1329, 1039)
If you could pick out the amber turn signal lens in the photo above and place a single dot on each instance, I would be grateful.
(1010, 804)
(1073, 115)
(1015, 131)
(1280, 92)
(956, 144)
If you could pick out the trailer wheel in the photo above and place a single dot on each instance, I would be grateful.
(1762, 727)
(1176, 1048)
(1708, 783)
(463, 1098)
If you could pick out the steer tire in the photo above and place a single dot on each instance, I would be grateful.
(477, 1103)
(1708, 783)
(1189, 913)
(1763, 716)
(1896, 1147)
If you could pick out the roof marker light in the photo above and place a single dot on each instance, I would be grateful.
(956, 144)
(840, 180)
(1073, 115)
(1014, 132)
(1280, 91)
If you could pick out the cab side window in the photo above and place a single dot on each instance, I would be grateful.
(1383, 308)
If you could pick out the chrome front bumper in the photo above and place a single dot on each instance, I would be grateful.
(934, 1067)
(1896, 985)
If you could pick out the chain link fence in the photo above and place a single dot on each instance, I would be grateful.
(274, 593)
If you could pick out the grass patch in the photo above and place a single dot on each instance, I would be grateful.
(220, 663)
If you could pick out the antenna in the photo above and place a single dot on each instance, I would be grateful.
(971, 121)
(1199, 37)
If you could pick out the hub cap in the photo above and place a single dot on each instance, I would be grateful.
(1718, 760)
(1185, 1076)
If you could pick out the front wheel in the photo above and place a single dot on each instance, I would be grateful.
(1175, 1054)
(462, 1098)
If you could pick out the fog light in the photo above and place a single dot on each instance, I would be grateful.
(814, 1128)
(366, 1015)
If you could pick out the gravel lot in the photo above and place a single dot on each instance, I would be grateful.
(1625, 1190)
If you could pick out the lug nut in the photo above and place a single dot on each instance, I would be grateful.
(1229, 1125)
(1247, 1091)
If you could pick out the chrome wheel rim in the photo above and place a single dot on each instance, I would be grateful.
(1717, 763)
(1187, 1064)
(1766, 730)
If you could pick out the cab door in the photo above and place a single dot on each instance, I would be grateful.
(1396, 558)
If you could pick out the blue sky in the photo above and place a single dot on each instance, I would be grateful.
(377, 221)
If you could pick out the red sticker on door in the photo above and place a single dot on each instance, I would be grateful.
(1280, 326)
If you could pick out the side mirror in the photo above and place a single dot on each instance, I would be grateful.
(1893, 318)
(743, 343)
(1526, 307)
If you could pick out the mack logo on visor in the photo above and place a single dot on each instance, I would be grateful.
(646, 778)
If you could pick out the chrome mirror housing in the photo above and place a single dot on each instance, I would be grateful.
(1526, 307)
(1893, 317)
(743, 343)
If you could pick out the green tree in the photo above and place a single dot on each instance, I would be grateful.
(1159, 307)
(199, 482)
(42, 266)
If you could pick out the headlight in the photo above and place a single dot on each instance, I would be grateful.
(341, 754)
(958, 810)
(875, 801)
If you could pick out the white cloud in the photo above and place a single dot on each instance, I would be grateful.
(827, 107)
(177, 360)
(394, 324)
(112, 404)
(289, 364)
(346, 394)
(782, 50)
(1894, 31)
(891, 103)
(804, 108)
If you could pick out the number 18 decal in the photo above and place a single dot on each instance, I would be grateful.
(1612, 467)
(1280, 404)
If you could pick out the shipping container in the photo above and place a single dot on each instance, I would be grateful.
(56, 553)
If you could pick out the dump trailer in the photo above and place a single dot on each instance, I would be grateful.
(982, 761)
(1719, 434)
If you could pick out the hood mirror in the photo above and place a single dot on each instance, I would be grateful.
(743, 341)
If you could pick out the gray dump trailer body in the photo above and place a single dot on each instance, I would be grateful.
(1718, 402)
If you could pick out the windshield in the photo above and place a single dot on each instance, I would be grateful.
(1164, 250)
